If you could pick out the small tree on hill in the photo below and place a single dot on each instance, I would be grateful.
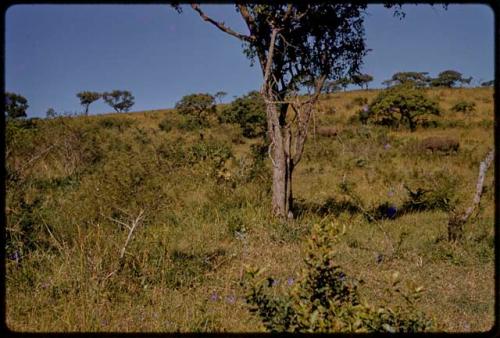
(220, 95)
(87, 98)
(197, 107)
(419, 79)
(51, 113)
(490, 83)
(249, 111)
(119, 100)
(15, 105)
(449, 79)
(402, 104)
(362, 80)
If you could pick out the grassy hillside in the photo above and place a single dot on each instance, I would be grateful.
(201, 206)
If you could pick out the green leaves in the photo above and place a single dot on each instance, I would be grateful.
(404, 104)
(15, 105)
(325, 300)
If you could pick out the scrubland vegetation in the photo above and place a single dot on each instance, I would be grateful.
(149, 221)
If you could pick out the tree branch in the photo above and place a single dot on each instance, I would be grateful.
(221, 25)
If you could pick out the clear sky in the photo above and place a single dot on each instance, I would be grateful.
(53, 52)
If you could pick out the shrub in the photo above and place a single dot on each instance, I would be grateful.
(15, 105)
(196, 108)
(403, 104)
(166, 124)
(359, 101)
(324, 299)
(464, 107)
(249, 111)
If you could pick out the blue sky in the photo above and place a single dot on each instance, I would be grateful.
(54, 51)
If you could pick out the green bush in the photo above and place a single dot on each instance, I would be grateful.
(401, 105)
(197, 108)
(166, 124)
(249, 111)
(324, 299)
(359, 101)
(464, 107)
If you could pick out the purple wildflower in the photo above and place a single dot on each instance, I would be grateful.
(214, 297)
(231, 299)
(342, 276)
(290, 281)
(387, 146)
(391, 211)
(15, 256)
(365, 108)
(390, 193)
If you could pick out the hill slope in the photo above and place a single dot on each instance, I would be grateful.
(201, 206)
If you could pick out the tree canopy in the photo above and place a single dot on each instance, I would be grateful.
(119, 100)
(87, 98)
(15, 105)
(450, 78)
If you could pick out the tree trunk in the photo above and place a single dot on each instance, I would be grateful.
(280, 136)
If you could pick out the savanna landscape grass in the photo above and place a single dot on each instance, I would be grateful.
(76, 186)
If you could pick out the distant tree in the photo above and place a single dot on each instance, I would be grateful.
(119, 100)
(362, 80)
(86, 99)
(249, 111)
(51, 113)
(15, 105)
(344, 82)
(220, 95)
(490, 83)
(449, 79)
(197, 107)
(419, 79)
(332, 87)
(402, 104)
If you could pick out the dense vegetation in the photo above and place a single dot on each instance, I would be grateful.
(125, 222)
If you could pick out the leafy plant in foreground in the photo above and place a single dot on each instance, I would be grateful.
(324, 299)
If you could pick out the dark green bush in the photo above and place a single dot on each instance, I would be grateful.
(166, 124)
(463, 106)
(249, 111)
(401, 105)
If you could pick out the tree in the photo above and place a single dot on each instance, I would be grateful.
(402, 104)
(220, 95)
(119, 100)
(15, 105)
(86, 98)
(449, 78)
(362, 80)
(51, 113)
(490, 83)
(197, 107)
(419, 79)
(293, 44)
(249, 111)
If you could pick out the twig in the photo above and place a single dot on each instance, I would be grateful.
(135, 223)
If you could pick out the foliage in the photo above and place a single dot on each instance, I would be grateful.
(197, 108)
(249, 111)
(403, 104)
(119, 100)
(51, 113)
(166, 124)
(464, 107)
(324, 299)
(219, 95)
(362, 80)
(15, 105)
(490, 83)
(87, 98)
(418, 79)
(449, 78)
